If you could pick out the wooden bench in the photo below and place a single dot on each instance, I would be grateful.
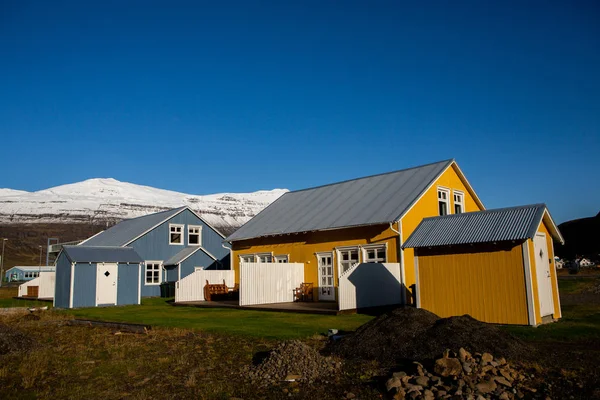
(220, 291)
(304, 292)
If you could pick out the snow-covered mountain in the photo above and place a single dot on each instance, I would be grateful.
(108, 200)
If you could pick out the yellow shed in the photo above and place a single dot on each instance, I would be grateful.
(495, 265)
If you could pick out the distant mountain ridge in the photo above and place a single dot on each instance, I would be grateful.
(107, 200)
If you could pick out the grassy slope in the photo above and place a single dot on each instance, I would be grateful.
(270, 325)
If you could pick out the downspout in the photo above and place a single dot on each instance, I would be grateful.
(400, 260)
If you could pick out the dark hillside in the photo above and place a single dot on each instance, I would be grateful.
(582, 237)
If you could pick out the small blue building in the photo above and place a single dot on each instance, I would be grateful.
(172, 245)
(89, 276)
(21, 273)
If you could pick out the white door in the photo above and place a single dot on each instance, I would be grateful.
(542, 268)
(326, 289)
(106, 284)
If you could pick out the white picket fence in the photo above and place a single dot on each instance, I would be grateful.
(370, 285)
(191, 288)
(268, 283)
(45, 282)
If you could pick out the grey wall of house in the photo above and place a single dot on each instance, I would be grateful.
(172, 273)
(149, 290)
(198, 259)
(62, 289)
(154, 246)
(128, 285)
(84, 285)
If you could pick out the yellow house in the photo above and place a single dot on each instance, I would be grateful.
(333, 227)
(495, 265)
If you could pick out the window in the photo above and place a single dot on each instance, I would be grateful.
(247, 258)
(264, 258)
(459, 202)
(375, 254)
(443, 195)
(347, 259)
(194, 235)
(281, 259)
(175, 234)
(153, 272)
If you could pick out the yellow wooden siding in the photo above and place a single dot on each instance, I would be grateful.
(427, 206)
(553, 277)
(488, 285)
(302, 248)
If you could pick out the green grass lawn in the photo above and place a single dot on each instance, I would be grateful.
(9, 303)
(270, 325)
(576, 284)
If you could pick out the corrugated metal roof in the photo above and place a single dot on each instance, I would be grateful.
(129, 229)
(377, 199)
(505, 224)
(107, 254)
(182, 255)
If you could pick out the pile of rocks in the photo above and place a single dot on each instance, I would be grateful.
(462, 375)
(292, 361)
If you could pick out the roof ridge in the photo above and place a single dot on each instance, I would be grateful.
(489, 211)
(448, 161)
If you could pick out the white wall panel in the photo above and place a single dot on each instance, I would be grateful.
(268, 283)
(191, 288)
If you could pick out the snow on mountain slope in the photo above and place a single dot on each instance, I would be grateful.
(106, 199)
(11, 192)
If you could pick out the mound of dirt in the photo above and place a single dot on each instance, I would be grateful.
(292, 360)
(415, 334)
(387, 337)
(12, 340)
(471, 334)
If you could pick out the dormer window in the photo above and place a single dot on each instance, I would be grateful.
(443, 200)
(194, 235)
(175, 234)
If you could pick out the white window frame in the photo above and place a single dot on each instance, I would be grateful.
(182, 234)
(460, 203)
(440, 200)
(340, 258)
(160, 273)
(242, 256)
(198, 269)
(257, 256)
(282, 258)
(374, 247)
(199, 233)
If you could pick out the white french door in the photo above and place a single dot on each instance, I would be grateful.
(326, 289)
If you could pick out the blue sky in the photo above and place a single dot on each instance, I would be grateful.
(205, 97)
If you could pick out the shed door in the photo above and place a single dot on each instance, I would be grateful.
(542, 268)
(106, 284)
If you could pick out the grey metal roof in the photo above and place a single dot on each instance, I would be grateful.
(497, 225)
(182, 255)
(102, 254)
(376, 199)
(129, 229)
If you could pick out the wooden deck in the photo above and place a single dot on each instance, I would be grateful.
(326, 308)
